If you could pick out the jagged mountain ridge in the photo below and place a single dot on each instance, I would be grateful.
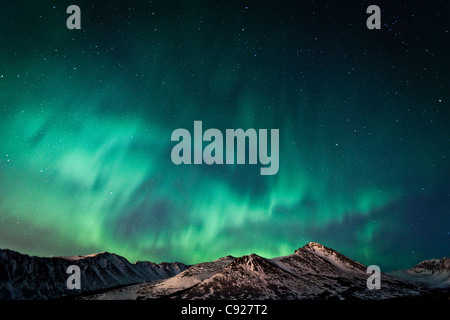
(433, 272)
(332, 256)
(433, 266)
(311, 272)
(26, 277)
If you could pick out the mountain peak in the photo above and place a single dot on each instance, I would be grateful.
(252, 262)
(433, 265)
(27, 277)
(226, 258)
(248, 258)
(331, 255)
(315, 246)
(92, 255)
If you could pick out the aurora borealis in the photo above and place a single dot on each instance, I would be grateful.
(363, 117)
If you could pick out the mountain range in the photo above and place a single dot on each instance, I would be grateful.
(313, 272)
(26, 277)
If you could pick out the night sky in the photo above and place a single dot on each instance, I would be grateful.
(363, 116)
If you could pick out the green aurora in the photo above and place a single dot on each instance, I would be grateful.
(87, 115)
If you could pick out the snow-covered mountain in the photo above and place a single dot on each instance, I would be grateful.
(26, 277)
(433, 272)
(311, 272)
(167, 287)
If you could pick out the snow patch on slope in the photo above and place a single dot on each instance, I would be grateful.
(433, 272)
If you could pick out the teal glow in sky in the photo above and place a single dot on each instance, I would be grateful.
(87, 116)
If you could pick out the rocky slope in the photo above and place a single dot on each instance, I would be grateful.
(312, 272)
(434, 273)
(26, 277)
